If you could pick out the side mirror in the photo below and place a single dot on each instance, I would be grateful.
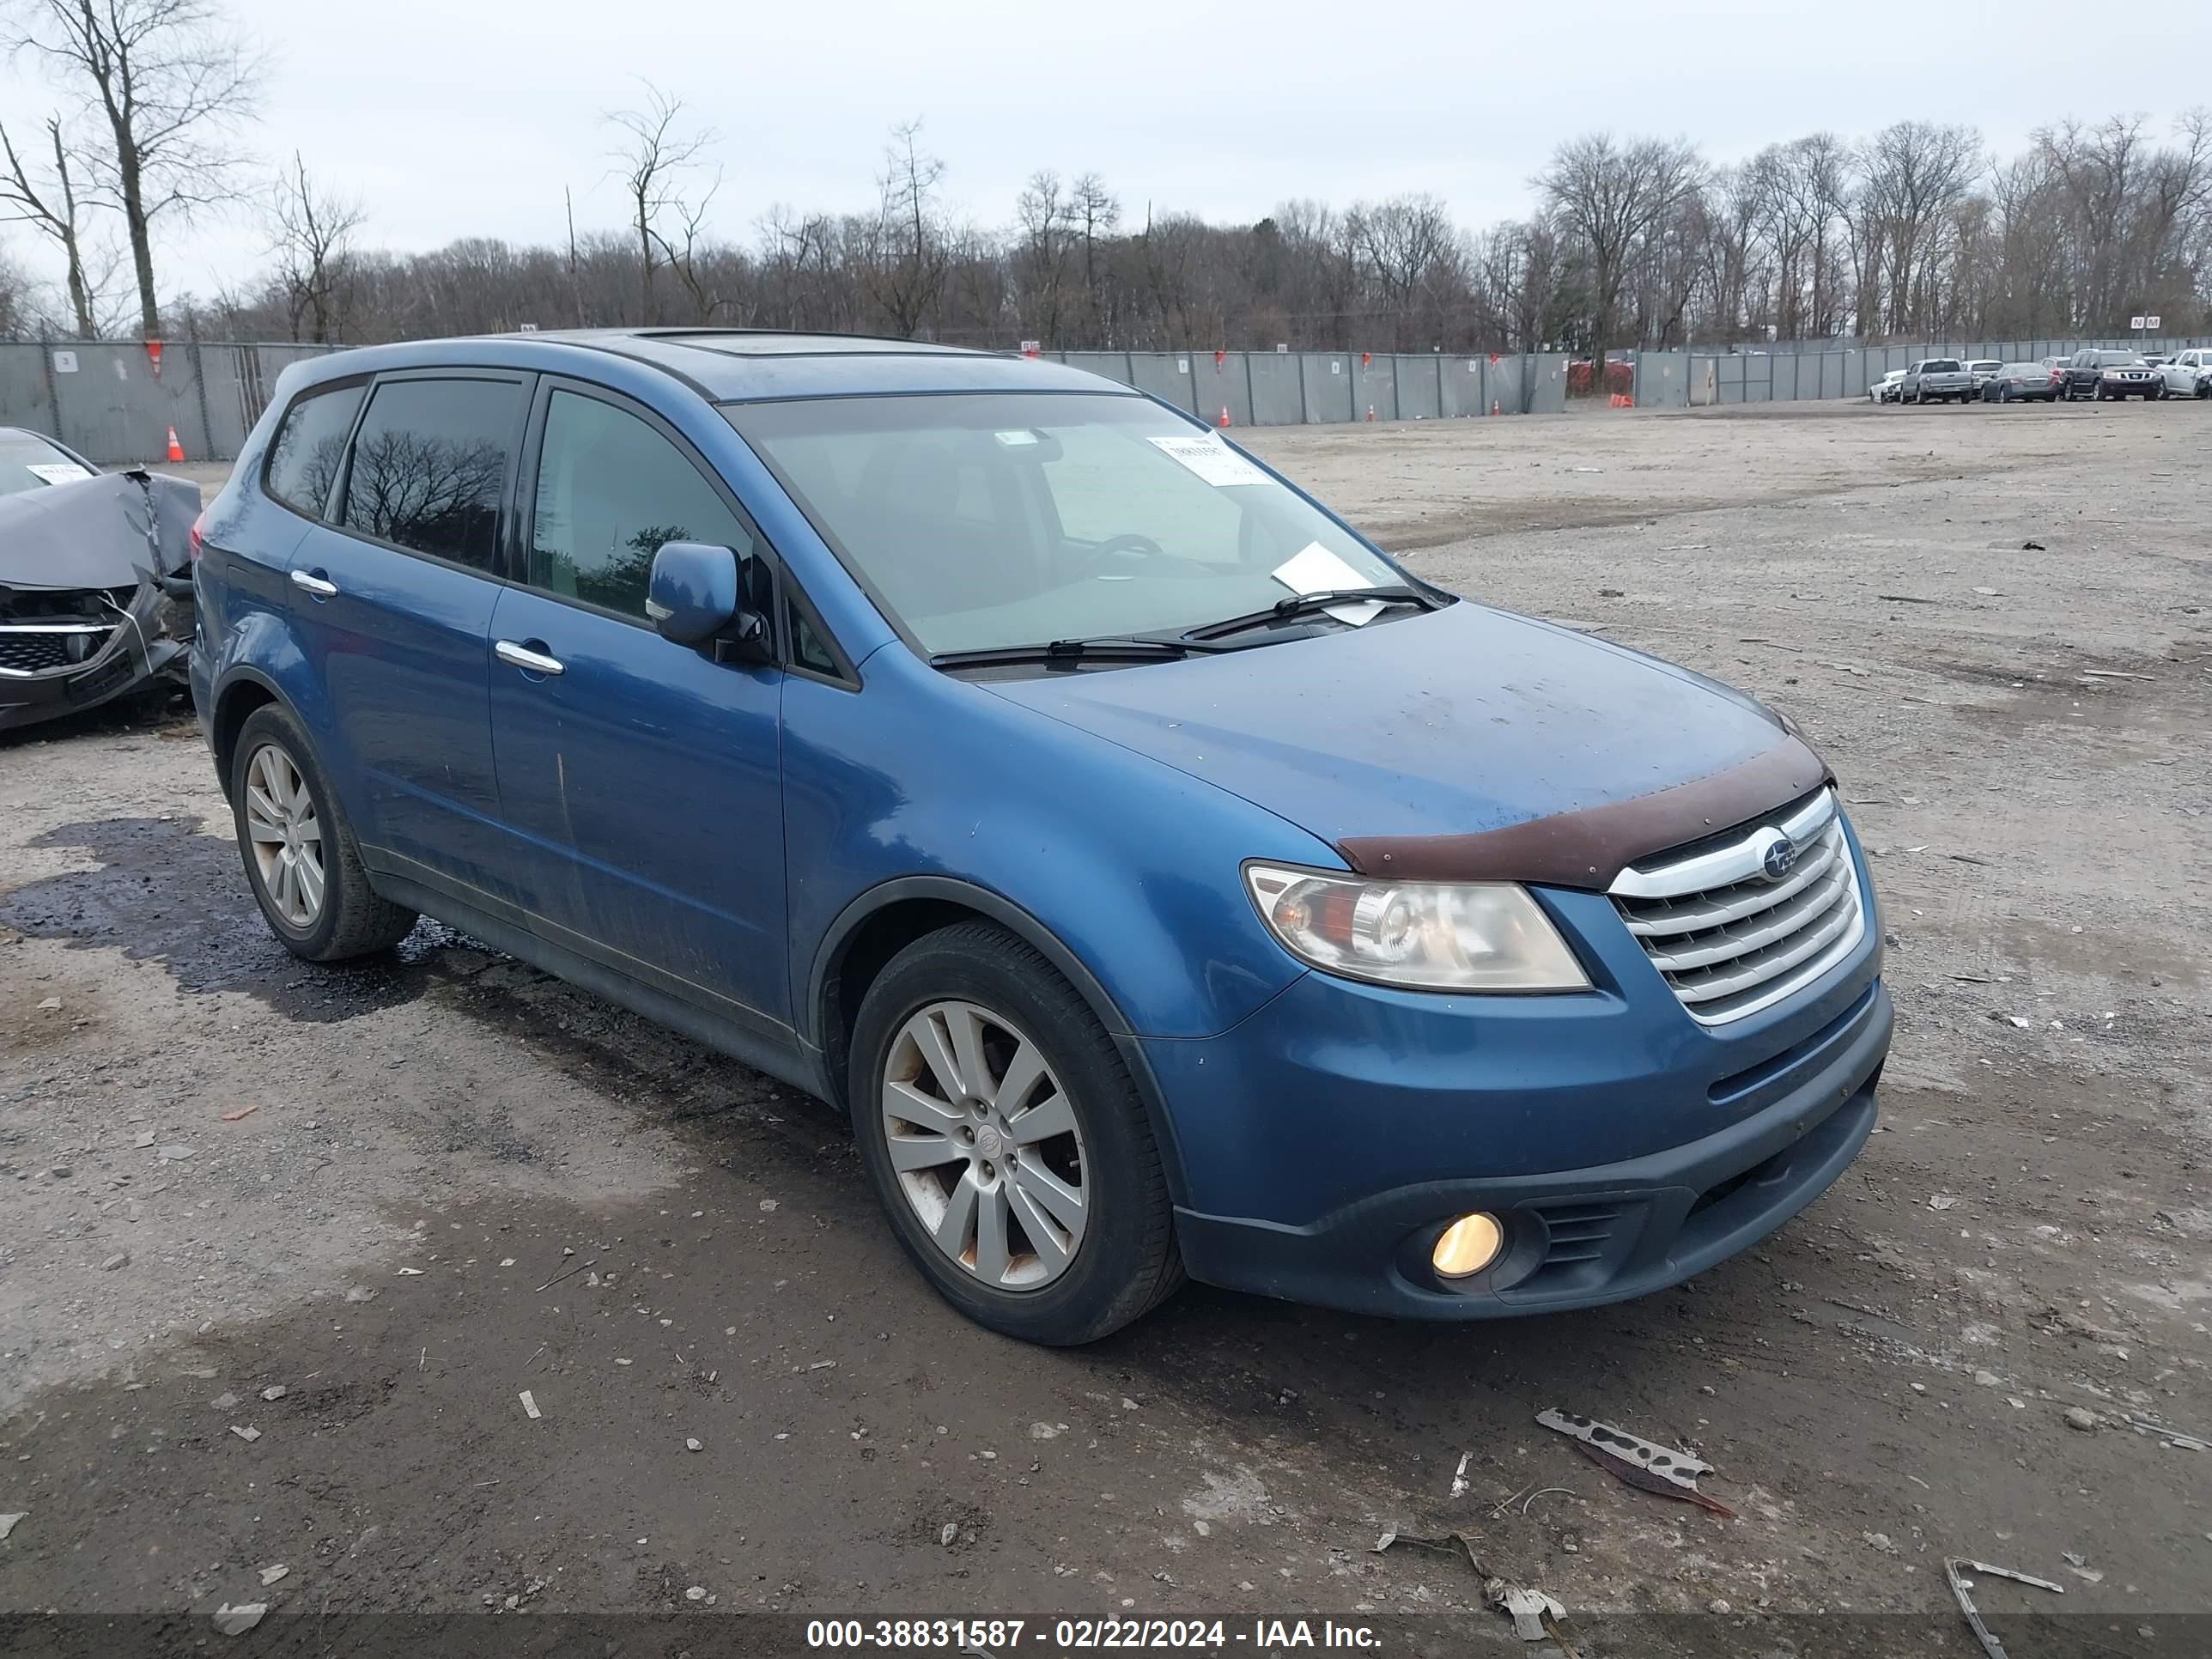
(700, 592)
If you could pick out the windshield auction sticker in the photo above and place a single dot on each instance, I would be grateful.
(1212, 459)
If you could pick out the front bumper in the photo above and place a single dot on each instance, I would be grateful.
(1328, 1140)
(141, 650)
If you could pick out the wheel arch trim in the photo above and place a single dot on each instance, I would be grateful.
(996, 907)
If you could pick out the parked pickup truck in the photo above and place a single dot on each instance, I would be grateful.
(2189, 374)
(1937, 380)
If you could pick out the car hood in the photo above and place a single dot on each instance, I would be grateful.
(1448, 726)
(114, 531)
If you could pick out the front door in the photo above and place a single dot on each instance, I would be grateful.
(393, 601)
(639, 779)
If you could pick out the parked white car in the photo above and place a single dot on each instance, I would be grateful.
(1984, 370)
(2188, 374)
(1884, 391)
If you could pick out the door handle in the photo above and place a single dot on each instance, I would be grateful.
(321, 586)
(522, 657)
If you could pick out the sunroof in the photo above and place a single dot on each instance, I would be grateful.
(795, 345)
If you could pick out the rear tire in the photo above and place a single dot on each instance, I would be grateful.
(953, 1133)
(313, 890)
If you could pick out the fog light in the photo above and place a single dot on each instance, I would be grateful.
(1468, 1245)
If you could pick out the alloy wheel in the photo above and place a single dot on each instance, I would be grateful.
(984, 1143)
(285, 836)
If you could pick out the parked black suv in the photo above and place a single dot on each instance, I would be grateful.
(2110, 373)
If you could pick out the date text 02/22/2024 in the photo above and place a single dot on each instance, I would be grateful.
(993, 1636)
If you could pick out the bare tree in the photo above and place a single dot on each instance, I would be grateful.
(310, 234)
(909, 254)
(47, 201)
(653, 157)
(1611, 198)
(172, 80)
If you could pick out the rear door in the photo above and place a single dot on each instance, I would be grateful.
(393, 599)
(640, 780)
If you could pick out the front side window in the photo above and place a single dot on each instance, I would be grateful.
(429, 464)
(610, 492)
(310, 446)
(982, 521)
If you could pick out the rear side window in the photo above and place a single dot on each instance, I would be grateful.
(303, 462)
(610, 492)
(429, 464)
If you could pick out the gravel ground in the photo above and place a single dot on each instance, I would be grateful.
(298, 1336)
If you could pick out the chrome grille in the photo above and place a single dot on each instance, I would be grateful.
(1728, 939)
(28, 648)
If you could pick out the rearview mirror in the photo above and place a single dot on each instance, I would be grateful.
(700, 592)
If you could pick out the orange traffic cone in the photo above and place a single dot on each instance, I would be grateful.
(1493, 405)
(1371, 412)
(176, 449)
(1224, 414)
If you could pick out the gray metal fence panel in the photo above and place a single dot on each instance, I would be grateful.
(25, 400)
(1728, 379)
(1114, 365)
(1278, 398)
(1548, 390)
(1222, 386)
(1662, 380)
(1328, 385)
(1459, 391)
(1374, 387)
(1505, 381)
(1165, 374)
(1419, 397)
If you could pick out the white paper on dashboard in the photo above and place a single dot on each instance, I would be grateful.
(56, 472)
(1355, 613)
(1212, 459)
(1314, 570)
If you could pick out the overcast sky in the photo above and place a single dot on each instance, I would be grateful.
(449, 118)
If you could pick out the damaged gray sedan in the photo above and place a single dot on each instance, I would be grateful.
(96, 582)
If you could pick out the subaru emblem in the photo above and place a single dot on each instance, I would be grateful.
(1781, 853)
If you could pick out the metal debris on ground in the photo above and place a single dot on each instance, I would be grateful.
(691, 1443)
(1459, 1476)
(571, 1273)
(248, 1433)
(529, 1404)
(236, 1621)
(1662, 1469)
(272, 1574)
(1451, 1543)
(1961, 1585)
(243, 1111)
(2033, 547)
(1535, 1616)
(2175, 1438)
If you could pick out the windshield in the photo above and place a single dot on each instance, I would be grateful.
(29, 462)
(2119, 360)
(987, 521)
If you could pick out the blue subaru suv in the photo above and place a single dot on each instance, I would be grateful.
(1165, 881)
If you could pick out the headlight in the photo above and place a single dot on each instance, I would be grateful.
(1429, 936)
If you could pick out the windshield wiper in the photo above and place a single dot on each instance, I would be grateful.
(1103, 647)
(1291, 606)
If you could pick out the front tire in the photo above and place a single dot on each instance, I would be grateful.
(1007, 1142)
(301, 858)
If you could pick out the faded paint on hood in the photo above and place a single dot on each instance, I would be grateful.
(1461, 720)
